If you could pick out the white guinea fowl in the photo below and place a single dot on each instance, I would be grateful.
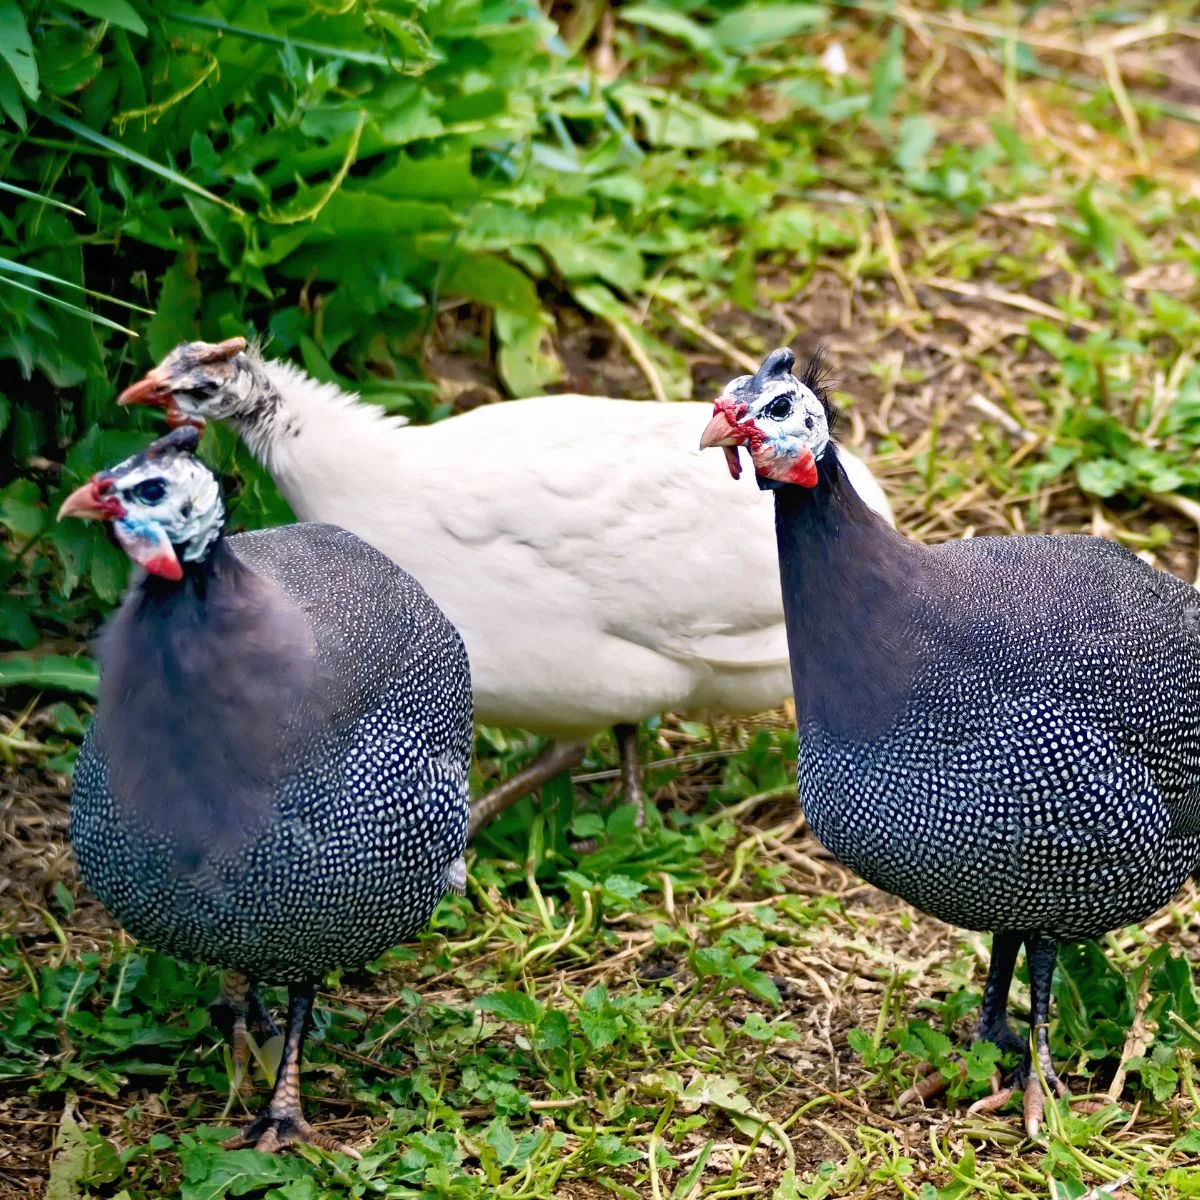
(597, 568)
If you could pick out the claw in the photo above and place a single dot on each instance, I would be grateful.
(993, 1103)
(928, 1084)
(271, 1134)
(1034, 1104)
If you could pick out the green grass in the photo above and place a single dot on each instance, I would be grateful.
(992, 219)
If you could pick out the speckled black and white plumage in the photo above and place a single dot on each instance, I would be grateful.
(1042, 770)
(1003, 731)
(348, 833)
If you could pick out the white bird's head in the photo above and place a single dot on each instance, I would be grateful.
(200, 381)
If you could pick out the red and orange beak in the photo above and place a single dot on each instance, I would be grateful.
(155, 390)
(95, 501)
(723, 431)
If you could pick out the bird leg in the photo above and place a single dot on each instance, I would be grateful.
(631, 782)
(1041, 953)
(631, 771)
(553, 760)
(992, 1025)
(237, 1006)
(281, 1123)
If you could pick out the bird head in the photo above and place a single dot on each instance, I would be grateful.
(783, 422)
(162, 505)
(198, 381)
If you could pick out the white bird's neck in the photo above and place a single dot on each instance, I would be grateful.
(310, 435)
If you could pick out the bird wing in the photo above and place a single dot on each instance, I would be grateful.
(1068, 816)
(617, 517)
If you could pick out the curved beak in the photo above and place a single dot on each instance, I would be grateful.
(152, 390)
(721, 431)
(155, 391)
(92, 502)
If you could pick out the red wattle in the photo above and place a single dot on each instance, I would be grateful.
(165, 565)
(804, 470)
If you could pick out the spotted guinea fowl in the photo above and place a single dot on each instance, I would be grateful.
(1003, 731)
(276, 778)
(548, 533)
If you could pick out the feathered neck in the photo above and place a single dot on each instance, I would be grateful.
(285, 404)
(850, 588)
(199, 680)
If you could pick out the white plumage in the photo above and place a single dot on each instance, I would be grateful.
(598, 567)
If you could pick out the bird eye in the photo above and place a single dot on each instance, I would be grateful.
(779, 409)
(201, 390)
(149, 491)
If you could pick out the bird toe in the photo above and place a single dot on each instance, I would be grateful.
(270, 1135)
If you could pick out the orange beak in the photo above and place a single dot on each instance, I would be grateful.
(156, 392)
(152, 390)
(721, 431)
(95, 501)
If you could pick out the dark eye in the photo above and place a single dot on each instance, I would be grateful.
(779, 409)
(199, 391)
(149, 491)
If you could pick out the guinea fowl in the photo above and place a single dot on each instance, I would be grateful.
(276, 778)
(545, 530)
(1004, 731)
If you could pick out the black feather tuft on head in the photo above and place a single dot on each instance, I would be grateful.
(183, 440)
(817, 376)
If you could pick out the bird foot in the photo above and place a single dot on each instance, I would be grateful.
(270, 1134)
(1023, 1079)
(930, 1083)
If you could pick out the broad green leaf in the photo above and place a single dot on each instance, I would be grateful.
(16, 49)
(82, 1157)
(16, 626)
(600, 1028)
(669, 120)
(527, 360)
(11, 104)
(669, 21)
(511, 1006)
(751, 25)
(553, 1031)
(117, 12)
(22, 512)
(493, 282)
(1103, 476)
(53, 672)
(178, 301)
(917, 136)
(210, 1173)
(500, 1137)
